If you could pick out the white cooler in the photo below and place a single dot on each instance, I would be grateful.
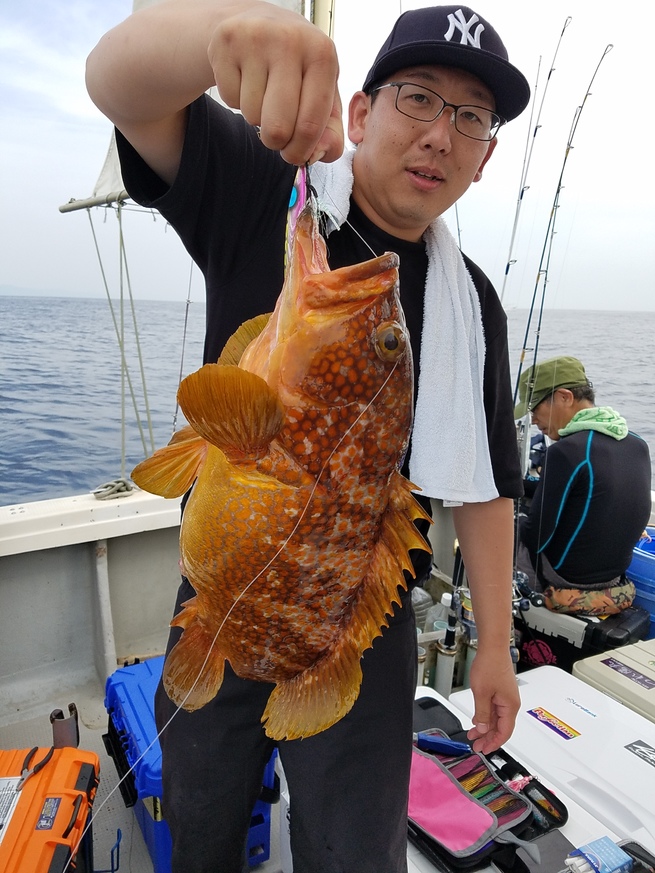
(626, 674)
(586, 744)
(580, 828)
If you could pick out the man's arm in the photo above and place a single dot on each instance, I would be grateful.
(270, 63)
(485, 533)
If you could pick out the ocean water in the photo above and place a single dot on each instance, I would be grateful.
(62, 390)
(61, 384)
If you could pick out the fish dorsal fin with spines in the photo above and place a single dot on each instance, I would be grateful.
(171, 471)
(232, 409)
(241, 338)
(295, 709)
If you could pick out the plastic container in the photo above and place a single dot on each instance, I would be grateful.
(438, 612)
(627, 674)
(421, 602)
(132, 741)
(45, 827)
(552, 638)
(642, 573)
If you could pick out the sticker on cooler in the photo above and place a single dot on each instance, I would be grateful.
(629, 673)
(642, 750)
(555, 724)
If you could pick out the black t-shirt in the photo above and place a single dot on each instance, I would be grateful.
(229, 204)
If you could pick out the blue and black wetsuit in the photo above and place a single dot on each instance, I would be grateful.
(590, 507)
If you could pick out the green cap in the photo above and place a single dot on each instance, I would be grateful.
(539, 382)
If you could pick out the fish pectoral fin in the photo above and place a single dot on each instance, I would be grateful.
(318, 697)
(232, 409)
(194, 668)
(171, 471)
(242, 337)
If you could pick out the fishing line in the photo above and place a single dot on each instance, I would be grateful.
(459, 229)
(137, 341)
(344, 219)
(120, 338)
(232, 607)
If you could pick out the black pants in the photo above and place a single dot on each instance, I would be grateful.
(348, 785)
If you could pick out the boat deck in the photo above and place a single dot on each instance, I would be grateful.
(109, 811)
(32, 728)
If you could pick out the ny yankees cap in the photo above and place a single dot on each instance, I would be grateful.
(453, 36)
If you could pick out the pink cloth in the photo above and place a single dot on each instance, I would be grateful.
(444, 810)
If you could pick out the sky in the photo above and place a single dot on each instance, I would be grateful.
(53, 142)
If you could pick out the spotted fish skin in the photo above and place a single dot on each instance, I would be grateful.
(297, 531)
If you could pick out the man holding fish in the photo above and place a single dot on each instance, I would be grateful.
(424, 126)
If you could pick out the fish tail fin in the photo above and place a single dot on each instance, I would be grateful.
(318, 697)
(171, 471)
(194, 668)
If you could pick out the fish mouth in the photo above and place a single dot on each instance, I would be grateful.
(364, 281)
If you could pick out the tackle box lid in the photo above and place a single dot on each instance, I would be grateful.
(42, 825)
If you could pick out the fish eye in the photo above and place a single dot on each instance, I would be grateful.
(390, 341)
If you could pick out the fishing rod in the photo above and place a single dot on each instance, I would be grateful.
(529, 147)
(544, 263)
(541, 280)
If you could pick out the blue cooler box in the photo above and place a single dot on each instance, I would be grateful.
(131, 740)
(642, 572)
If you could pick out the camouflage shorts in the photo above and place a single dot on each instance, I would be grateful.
(602, 601)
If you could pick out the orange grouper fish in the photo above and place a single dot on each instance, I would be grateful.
(297, 530)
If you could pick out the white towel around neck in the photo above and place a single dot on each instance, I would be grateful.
(450, 457)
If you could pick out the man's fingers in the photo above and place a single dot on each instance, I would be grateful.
(281, 73)
(298, 110)
(316, 108)
(331, 143)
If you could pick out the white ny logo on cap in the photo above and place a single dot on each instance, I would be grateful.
(458, 22)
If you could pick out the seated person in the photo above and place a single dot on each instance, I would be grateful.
(593, 499)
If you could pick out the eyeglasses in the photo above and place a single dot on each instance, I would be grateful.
(533, 406)
(422, 104)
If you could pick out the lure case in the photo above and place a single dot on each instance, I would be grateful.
(462, 812)
(43, 826)
(493, 803)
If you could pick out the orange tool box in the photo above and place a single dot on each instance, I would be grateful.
(42, 820)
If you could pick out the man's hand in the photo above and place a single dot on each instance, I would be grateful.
(497, 700)
(281, 72)
(272, 64)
